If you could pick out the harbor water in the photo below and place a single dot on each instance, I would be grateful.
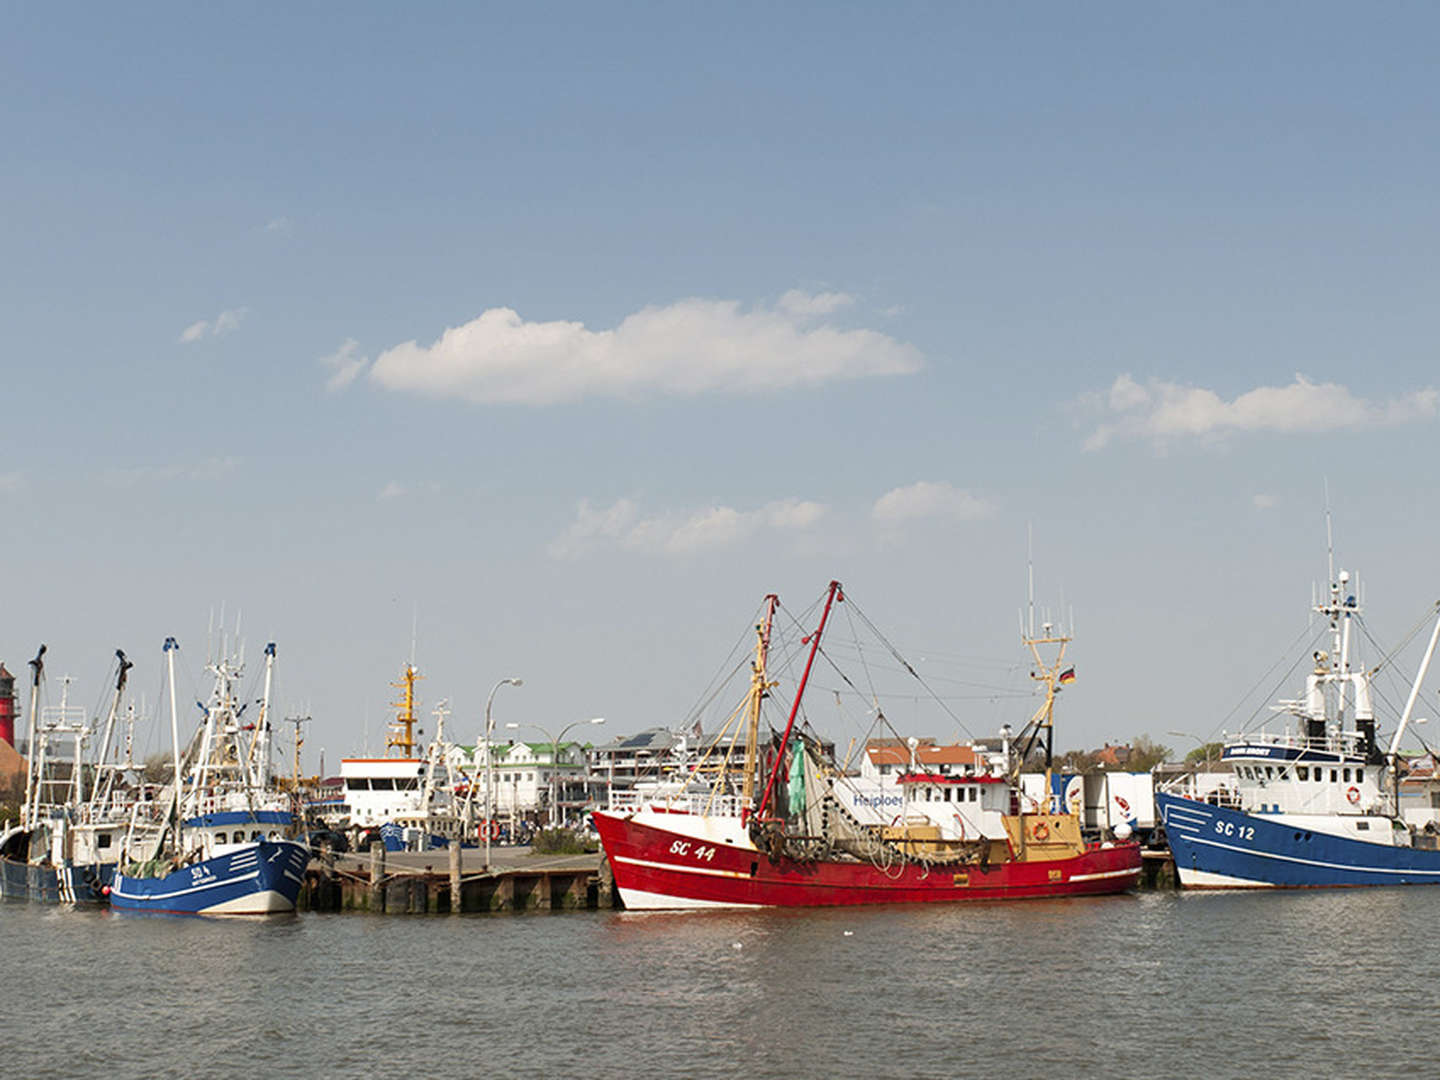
(1320, 983)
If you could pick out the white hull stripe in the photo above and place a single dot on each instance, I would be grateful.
(1316, 862)
(216, 884)
(1189, 824)
(640, 900)
(1204, 879)
(1105, 874)
(706, 870)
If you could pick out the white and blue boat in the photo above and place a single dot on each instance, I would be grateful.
(1319, 804)
(226, 850)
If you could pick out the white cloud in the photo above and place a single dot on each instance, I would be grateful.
(1162, 411)
(12, 482)
(208, 469)
(928, 499)
(621, 525)
(344, 365)
(392, 490)
(223, 323)
(687, 348)
(1262, 502)
(279, 225)
(803, 305)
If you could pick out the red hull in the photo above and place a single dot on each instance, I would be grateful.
(671, 866)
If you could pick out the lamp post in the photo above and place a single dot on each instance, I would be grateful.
(489, 769)
(555, 752)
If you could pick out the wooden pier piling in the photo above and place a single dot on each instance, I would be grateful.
(409, 885)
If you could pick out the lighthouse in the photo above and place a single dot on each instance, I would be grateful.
(7, 706)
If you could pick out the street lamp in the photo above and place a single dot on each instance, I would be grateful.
(555, 752)
(489, 770)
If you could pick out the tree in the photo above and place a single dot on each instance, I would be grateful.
(1201, 754)
(1075, 761)
(159, 768)
(1146, 753)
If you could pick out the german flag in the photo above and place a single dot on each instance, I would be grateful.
(1067, 676)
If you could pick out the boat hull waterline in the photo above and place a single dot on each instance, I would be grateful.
(658, 869)
(1217, 847)
(54, 884)
(262, 878)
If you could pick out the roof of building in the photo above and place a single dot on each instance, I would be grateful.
(1112, 755)
(925, 754)
(11, 763)
(650, 739)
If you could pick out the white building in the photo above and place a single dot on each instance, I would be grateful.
(530, 780)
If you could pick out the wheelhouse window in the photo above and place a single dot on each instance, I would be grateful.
(1302, 772)
(1346, 774)
(1334, 777)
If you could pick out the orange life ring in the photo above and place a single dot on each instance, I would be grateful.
(1041, 832)
(1353, 794)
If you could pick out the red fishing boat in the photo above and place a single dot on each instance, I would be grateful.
(799, 843)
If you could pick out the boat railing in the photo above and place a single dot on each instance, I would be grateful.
(1190, 785)
(1347, 742)
(690, 802)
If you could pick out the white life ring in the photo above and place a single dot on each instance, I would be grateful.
(1353, 794)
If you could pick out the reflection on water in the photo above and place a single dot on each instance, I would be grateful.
(1219, 985)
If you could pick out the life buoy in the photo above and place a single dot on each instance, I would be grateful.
(1041, 832)
(1353, 794)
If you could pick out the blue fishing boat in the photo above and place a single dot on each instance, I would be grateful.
(1316, 805)
(226, 850)
(262, 877)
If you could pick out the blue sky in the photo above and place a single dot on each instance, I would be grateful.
(579, 328)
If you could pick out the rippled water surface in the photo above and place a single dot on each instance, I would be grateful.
(1322, 984)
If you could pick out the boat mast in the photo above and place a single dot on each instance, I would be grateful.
(171, 647)
(1394, 752)
(1042, 723)
(260, 744)
(832, 594)
(37, 668)
(76, 794)
(104, 785)
(758, 689)
(402, 729)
